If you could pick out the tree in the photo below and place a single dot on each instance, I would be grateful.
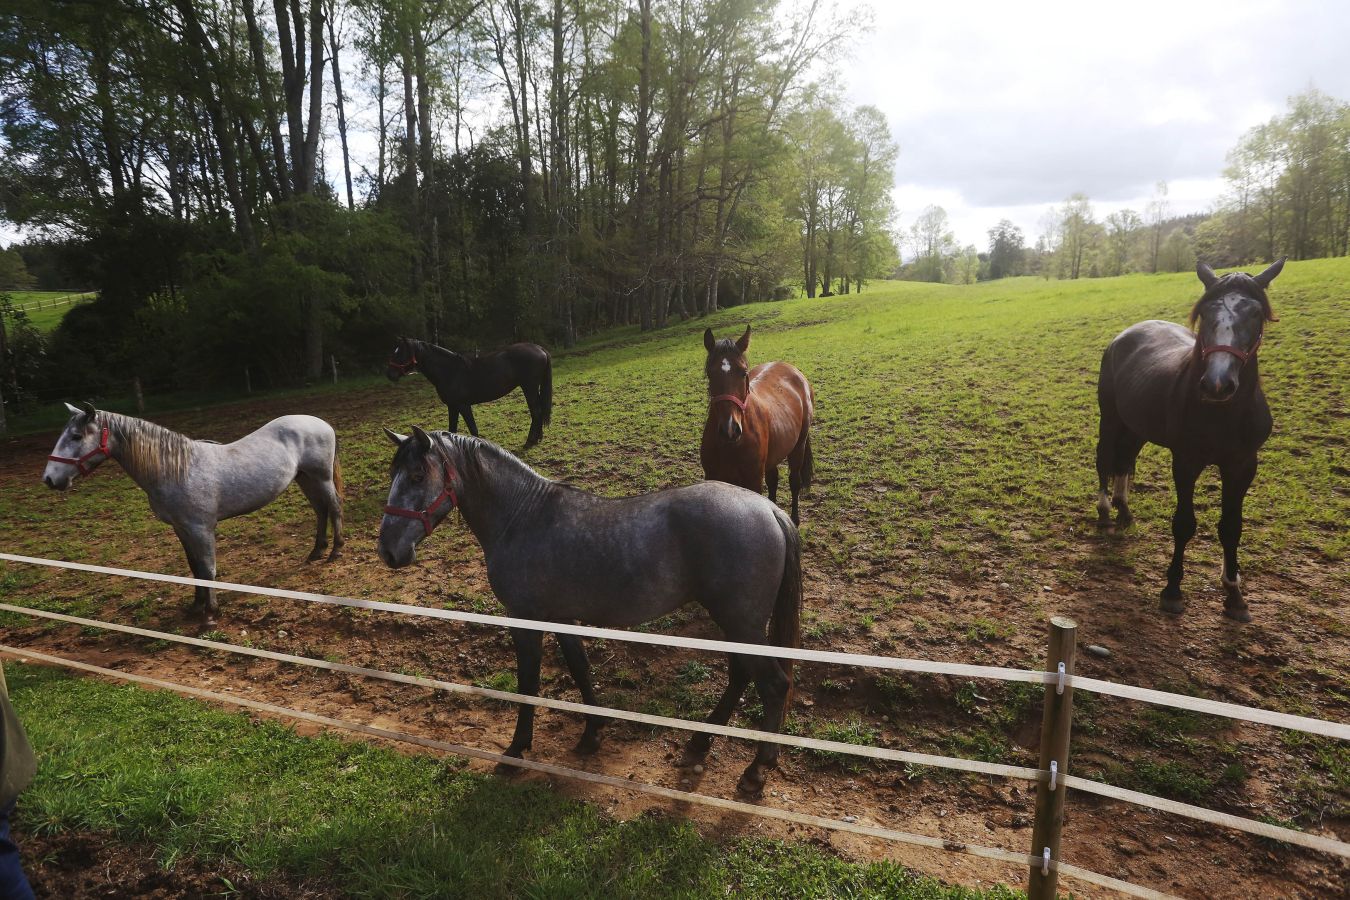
(1077, 234)
(1006, 244)
(1122, 230)
(1156, 215)
(932, 244)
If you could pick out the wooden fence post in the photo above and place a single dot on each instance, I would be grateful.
(140, 395)
(333, 362)
(1056, 722)
(248, 382)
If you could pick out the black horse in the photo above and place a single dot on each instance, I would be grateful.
(462, 380)
(558, 554)
(1197, 393)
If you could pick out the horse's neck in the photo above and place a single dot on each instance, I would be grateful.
(501, 495)
(128, 433)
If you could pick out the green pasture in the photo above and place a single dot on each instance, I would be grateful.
(954, 449)
(48, 317)
(366, 821)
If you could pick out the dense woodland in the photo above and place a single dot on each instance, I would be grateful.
(535, 170)
(1288, 194)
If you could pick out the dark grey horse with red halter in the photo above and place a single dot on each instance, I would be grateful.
(557, 554)
(1197, 393)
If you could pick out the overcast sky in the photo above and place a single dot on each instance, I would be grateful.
(1004, 109)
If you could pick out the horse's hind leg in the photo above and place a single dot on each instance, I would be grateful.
(1236, 480)
(1184, 474)
(1107, 430)
(771, 482)
(574, 654)
(318, 500)
(529, 656)
(737, 679)
(1128, 445)
(772, 684)
(467, 411)
(531, 392)
(797, 463)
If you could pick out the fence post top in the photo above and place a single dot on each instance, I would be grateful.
(1063, 622)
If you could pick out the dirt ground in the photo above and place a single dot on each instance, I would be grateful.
(1244, 664)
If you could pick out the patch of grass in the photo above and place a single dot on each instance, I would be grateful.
(850, 731)
(1176, 780)
(190, 779)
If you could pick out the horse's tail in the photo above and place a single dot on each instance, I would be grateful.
(546, 390)
(337, 468)
(785, 625)
(808, 465)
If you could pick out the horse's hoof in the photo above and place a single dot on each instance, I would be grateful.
(1238, 613)
(315, 555)
(1124, 520)
(1171, 601)
(337, 553)
(587, 746)
(752, 781)
(505, 769)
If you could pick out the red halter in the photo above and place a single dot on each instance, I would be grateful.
(1228, 348)
(424, 515)
(405, 368)
(732, 397)
(79, 463)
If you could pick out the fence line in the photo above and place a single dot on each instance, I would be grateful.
(1161, 698)
(994, 853)
(69, 299)
(806, 743)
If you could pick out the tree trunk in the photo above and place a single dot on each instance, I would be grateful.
(341, 106)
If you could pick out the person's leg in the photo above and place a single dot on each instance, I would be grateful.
(13, 884)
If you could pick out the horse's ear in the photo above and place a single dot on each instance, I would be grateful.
(74, 410)
(708, 340)
(743, 342)
(395, 438)
(87, 408)
(423, 439)
(1206, 274)
(1266, 277)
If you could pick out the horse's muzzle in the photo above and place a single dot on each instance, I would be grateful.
(1218, 390)
(396, 559)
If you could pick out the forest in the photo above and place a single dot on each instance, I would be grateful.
(258, 188)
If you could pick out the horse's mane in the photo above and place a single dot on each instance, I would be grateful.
(473, 450)
(1239, 282)
(150, 449)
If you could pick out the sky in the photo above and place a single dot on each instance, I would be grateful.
(1002, 110)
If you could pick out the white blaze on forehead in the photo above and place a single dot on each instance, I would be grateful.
(726, 364)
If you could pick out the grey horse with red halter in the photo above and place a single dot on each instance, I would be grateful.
(192, 485)
(1197, 393)
(558, 554)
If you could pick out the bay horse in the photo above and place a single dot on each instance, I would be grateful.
(192, 485)
(757, 418)
(462, 380)
(558, 554)
(1197, 393)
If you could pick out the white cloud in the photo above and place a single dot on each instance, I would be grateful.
(1002, 110)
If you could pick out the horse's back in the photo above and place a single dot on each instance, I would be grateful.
(1140, 373)
(620, 562)
(783, 392)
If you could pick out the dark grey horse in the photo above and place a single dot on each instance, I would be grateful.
(192, 485)
(463, 379)
(558, 554)
(1199, 395)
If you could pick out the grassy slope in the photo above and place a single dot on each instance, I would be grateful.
(954, 444)
(372, 822)
(48, 318)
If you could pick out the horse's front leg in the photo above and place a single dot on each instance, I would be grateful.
(529, 656)
(771, 481)
(536, 407)
(199, 543)
(574, 654)
(1184, 474)
(1237, 479)
(467, 410)
(737, 679)
(454, 420)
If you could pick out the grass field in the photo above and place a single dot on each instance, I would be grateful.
(952, 515)
(48, 317)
